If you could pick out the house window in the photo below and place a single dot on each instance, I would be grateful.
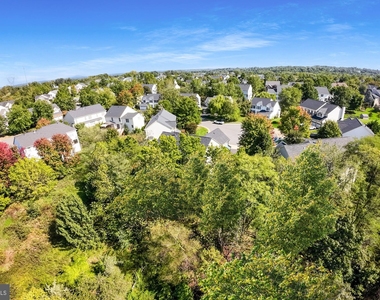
(126, 120)
(75, 141)
(119, 120)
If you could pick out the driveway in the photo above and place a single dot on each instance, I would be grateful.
(232, 130)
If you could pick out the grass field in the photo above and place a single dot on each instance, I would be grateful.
(201, 131)
(373, 115)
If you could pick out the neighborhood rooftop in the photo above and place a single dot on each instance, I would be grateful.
(86, 110)
(26, 140)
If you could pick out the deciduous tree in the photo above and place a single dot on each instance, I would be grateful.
(19, 119)
(290, 96)
(256, 135)
(295, 124)
(329, 129)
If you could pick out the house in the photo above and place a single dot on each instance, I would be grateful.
(57, 113)
(294, 150)
(372, 96)
(47, 97)
(196, 97)
(5, 106)
(152, 88)
(352, 127)
(321, 111)
(266, 107)
(247, 90)
(124, 116)
(176, 86)
(149, 100)
(273, 87)
(88, 115)
(80, 86)
(215, 138)
(163, 121)
(26, 141)
(323, 93)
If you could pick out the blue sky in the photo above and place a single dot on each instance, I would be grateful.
(45, 40)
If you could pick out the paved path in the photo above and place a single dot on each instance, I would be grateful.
(232, 130)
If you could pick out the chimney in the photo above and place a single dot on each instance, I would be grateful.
(343, 112)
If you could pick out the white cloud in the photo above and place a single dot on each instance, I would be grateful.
(128, 28)
(338, 28)
(234, 42)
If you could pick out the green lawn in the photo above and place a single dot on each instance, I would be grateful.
(201, 131)
(276, 122)
(369, 111)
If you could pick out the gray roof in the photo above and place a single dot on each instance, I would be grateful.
(7, 103)
(294, 150)
(26, 140)
(312, 104)
(87, 110)
(117, 111)
(322, 90)
(218, 136)
(264, 101)
(130, 115)
(151, 97)
(272, 83)
(327, 108)
(165, 118)
(349, 124)
(244, 87)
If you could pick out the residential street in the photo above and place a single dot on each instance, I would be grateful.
(232, 130)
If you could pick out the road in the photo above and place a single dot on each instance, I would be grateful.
(232, 130)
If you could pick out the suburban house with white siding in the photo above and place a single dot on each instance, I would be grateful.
(323, 93)
(352, 127)
(124, 116)
(273, 87)
(149, 100)
(26, 141)
(88, 115)
(163, 121)
(247, 91)
(321, 111)
(266, 107)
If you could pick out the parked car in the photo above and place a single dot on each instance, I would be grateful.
(219, 122)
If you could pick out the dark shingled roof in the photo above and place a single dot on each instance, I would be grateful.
(27, 139)
(116, 111)
(264, 101)
(218, 136)
(349, 124)
(312, 104)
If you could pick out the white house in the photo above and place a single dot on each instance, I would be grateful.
(5, 106)
(124, 116)
(196, 97)
(26, 141)
(57, 113)
(265, 107)
(247, 90)
(149, 100)
(152, 87)
(88, 115)
(372, 96)
(163, 121)
(352, 127)
(80, 86)
(321, 111)
(323, 93)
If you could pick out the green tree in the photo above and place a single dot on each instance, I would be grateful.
(256, 135)
(88, 96)
(187, 112)
(224, 108)
(308, 90)
(19, 119)
(3, 125)
(329, 129)
(268, 275)
(374, 125)
(74, 224)
(106, 98)
(295, 125)
(266, 95)
(31, 179)
(64, 99)
(289, 97)
(302, 209)
(42, 109)
(125, 98)
(341, 95)
(256, 83)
